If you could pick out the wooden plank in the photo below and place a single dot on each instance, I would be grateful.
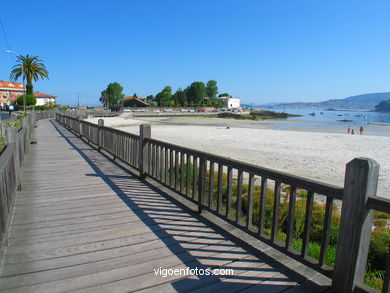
(109, 238)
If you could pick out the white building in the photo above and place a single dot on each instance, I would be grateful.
(230, 102)
(43, 99)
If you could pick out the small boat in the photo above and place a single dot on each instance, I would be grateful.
(312, 114)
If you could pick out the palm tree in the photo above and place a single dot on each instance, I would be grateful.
(30, 68)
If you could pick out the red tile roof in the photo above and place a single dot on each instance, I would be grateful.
(42, 95)
(137, 98)
(11, 85)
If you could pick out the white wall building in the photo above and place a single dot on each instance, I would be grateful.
(230, 102)
(43, 99)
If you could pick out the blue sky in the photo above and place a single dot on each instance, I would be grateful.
(261, 51)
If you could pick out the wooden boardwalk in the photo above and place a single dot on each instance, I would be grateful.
(84, 224)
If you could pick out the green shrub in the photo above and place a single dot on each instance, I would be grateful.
(374, 279)
(379, 246)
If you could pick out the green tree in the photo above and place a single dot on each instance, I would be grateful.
(31, 100)
(224, 95)
(212, 89)
(383, 106)
(30, 68)
(180, 98)
(112, 95)
(196, 93)
(150, 98)
(164, 98)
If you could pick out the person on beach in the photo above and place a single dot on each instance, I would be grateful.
(353, 132)
(361, 130)
(349, 130)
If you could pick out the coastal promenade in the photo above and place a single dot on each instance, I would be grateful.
(84, 223)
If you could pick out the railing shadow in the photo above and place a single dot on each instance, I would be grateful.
(196, 242)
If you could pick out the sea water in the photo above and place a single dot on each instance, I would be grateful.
(376, 122)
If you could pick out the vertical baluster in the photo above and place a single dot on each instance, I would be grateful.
(308, 221)
(131, 151)
(130, 155)
(171, 170)
(263, 199)
(161, 163)
(250, 201)
(177, 170)
(157, 162)
(182, 172)
(195, 179)
(275, 214)
(229, 191)
(154, 160)
(202, 184)
(149, 150)
(291, 217)
(325, 234)
(220, 178)
(240, 179)
(134, 151)
(166, 166)
(211, 191)
(188, 177)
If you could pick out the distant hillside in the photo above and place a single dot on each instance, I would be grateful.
(360, 102)
(383, 106)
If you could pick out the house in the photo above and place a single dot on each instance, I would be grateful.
(230, 102)
(131, 101)
(43, 99)
(10, 91)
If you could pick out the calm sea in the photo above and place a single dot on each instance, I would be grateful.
(375, 121)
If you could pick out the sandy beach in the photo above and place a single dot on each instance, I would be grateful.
(316, 155)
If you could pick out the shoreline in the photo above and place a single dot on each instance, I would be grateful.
(316, 155)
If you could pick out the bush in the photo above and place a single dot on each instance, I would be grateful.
(379, 246)
(30, 100)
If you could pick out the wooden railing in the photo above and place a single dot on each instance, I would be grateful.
(11, 164)
(217, 184)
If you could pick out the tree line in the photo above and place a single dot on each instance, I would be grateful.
(196, 94)
(383, 106)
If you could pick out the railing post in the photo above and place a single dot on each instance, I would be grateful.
(12, 141)
(144, 132)
(99, 138)
(361, 180)
(26, 126)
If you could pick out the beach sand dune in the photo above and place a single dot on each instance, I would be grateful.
(317, 156)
